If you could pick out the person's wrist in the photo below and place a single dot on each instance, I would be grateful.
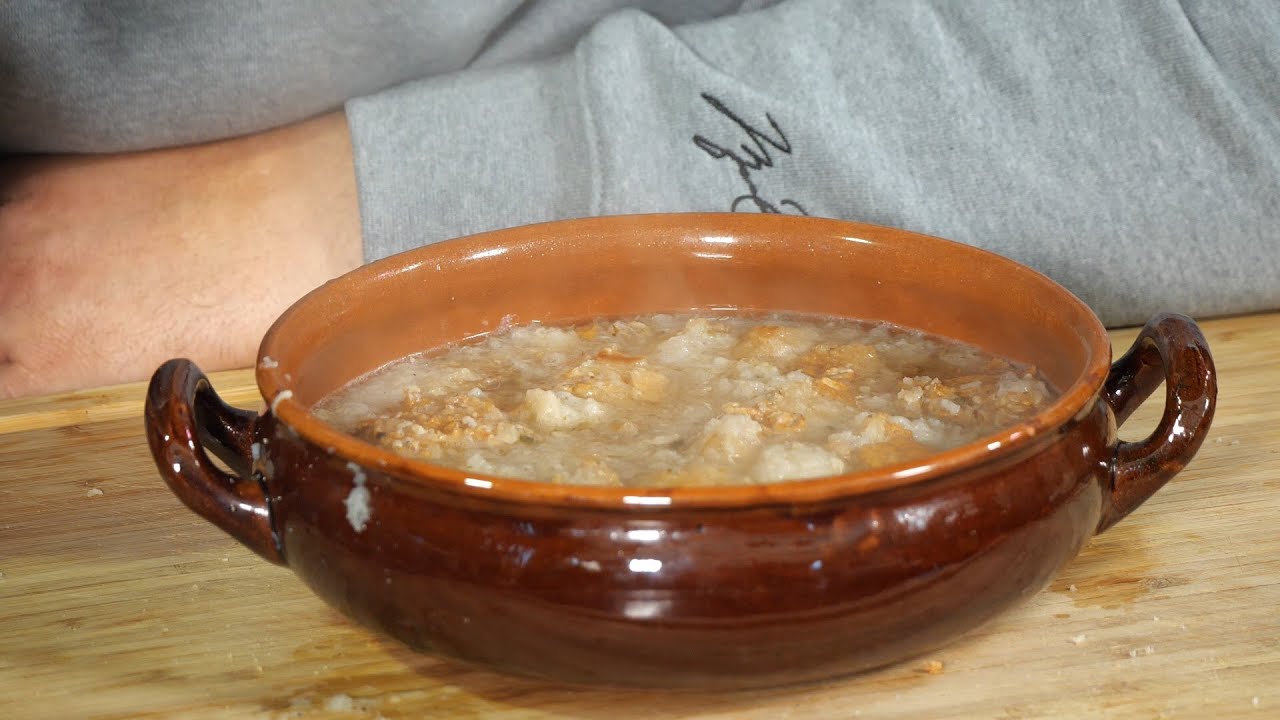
(111, 264)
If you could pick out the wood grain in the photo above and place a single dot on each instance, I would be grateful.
(124, 604)
(110, 403)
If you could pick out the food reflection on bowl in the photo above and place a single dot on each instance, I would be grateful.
(702, 586)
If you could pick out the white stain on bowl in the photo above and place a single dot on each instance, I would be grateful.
(282, 395)
(357, 502)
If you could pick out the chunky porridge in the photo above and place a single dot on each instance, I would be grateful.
(667, 400)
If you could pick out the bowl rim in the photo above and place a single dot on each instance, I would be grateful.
(273, 383)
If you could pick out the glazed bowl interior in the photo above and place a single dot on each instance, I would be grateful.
(630, 265)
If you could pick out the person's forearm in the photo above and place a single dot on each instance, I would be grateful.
(110, 265)
(1131, 153)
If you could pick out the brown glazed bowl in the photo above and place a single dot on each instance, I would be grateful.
(739, 586)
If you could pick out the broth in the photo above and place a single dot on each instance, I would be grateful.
(678, 400)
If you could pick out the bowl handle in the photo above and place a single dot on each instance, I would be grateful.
(1171, 349)
(185, 416)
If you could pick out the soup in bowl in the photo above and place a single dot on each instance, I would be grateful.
(796, 501)
(691, 399)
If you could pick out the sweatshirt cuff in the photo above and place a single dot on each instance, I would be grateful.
(441, 157)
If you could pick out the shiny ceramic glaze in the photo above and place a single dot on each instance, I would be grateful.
(709, 587)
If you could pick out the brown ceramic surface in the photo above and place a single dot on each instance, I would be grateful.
(735, 586)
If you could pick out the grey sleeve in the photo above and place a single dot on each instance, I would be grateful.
(88, 76)
(1131, 152)
(91, 76)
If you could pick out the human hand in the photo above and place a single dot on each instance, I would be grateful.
(110, 265)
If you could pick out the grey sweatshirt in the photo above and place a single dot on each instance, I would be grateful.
(1130, 149)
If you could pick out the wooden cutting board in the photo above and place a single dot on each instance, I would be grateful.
(116, 601)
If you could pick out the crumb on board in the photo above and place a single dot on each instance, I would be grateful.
(934, 667)
(1077, 639)
(341, 702)
(1255, 700)
(93, 492)
(1141, 651)
(1071, 587)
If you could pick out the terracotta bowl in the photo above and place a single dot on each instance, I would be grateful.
(739, 586)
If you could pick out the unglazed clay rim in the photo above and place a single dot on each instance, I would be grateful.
(1006, 444)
